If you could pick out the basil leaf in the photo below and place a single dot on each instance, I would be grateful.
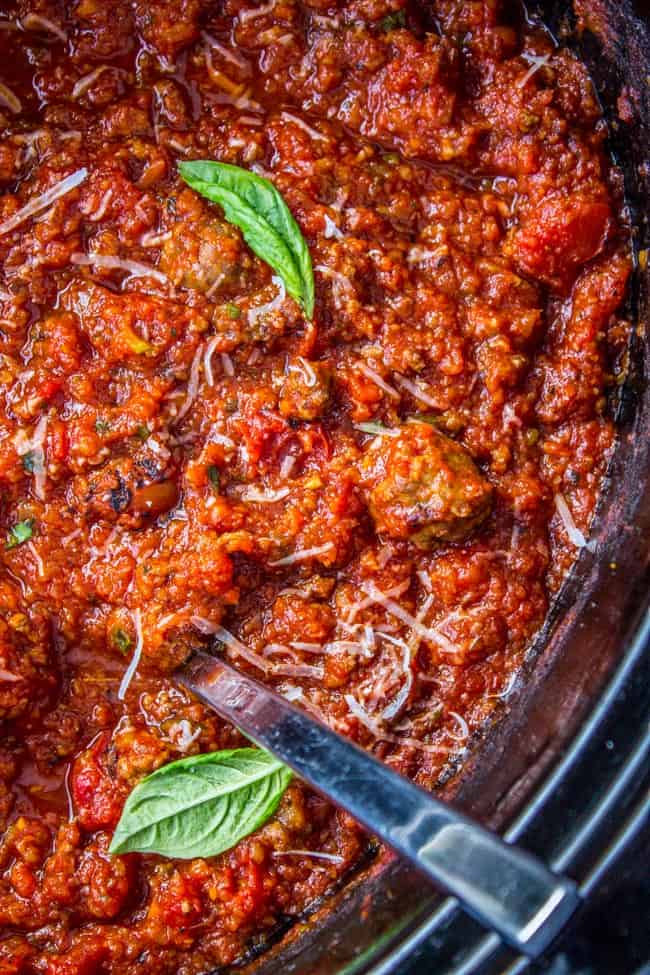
(21, 532)
(255, 206)
(202, 805)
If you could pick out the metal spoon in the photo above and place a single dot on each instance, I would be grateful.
(505, 888)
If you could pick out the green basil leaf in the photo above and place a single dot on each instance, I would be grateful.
(21, 532)
(202, 805)
(255, 206)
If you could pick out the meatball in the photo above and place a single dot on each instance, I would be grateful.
(560, 236)
(421, 486)
(305, 392)
(203, 252)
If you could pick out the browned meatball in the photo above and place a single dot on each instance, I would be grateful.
(305, 391)
(203, 253)
(421, 486)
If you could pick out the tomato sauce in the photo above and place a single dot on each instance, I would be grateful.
(379, 504)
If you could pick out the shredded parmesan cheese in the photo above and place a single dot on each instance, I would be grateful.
(219, 78)
(433, 636)
(314, 133)
(535, 64)
(416, 392)
(575, 535)
(227, 364)
(220, 438)
(376, 430)
(135, 659)
(66, 539)
(372, 600)
(133, 268)
(360, 713)
(225, 52)
(270, 306)
(340, 280)
(299, 670)
(329, 23)
(392, 710)
(227, 638)
(180, 733)
(303, 554)
(287, 465)
(251, 12)
(207, 359)
(271, 649)
(307, 647)
(154, 239)
(88, 80)
(331, 229)
(462, 727)
(306, 371)
(96, 215)
(192, 385)
(43, 200)
(264, 497)
(39, 561)
(316, 854)
(377, 380)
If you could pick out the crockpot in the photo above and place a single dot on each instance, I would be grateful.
(563, 768)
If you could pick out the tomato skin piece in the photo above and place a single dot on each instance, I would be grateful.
(560, 236)
(59, 442)
(49, 389)
(93, 791)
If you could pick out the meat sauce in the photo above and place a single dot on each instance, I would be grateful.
(379, 504)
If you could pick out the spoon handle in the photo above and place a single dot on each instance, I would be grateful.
(505, 888)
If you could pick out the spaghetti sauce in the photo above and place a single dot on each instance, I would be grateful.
(377, 504)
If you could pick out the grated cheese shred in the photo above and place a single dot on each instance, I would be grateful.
(135, 659)
(43, 200)
(301, 555)
(575, 535)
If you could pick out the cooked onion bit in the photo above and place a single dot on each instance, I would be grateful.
(255, 206)
(202, 805)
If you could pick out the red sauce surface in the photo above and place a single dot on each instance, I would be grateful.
(186, 446)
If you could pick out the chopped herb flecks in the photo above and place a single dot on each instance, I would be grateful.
(393, 21)
(121, 639)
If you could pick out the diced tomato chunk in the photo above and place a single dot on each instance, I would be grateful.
(93, 791)
(560, 236)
